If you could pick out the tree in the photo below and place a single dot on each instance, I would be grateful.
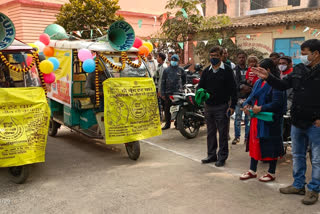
(186, 22)
(88, 14)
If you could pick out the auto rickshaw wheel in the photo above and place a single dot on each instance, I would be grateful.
(19, 174)
(53, 128)
(133, 150)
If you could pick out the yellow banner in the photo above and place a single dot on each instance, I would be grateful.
(131, 109)
(24, 122)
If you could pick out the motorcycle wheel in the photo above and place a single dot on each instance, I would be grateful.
(187, 126)
(133, 150)
(19, 174)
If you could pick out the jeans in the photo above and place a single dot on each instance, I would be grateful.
(300, 140)
(237, 123)
(217, 120)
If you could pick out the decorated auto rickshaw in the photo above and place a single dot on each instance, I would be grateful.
(103, 89)
(24, 111)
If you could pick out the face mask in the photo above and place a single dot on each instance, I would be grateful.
(174, 63)
(304, 59)
(215, 61)
(282, 67)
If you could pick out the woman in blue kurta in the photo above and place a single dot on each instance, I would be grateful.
(265, 139)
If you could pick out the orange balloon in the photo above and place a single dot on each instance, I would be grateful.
(143, 50)
(48, 51)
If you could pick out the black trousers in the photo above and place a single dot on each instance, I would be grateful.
(272, 165)
(217, 120)
(167, 114)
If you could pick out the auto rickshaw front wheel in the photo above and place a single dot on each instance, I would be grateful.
(19, 174)
(133, 150)
(53, 127)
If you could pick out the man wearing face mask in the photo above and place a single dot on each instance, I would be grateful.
(285, 68)
(305, 114)
(173, 78)
(218, 80)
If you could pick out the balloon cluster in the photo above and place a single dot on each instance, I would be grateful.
(145, 48)
(48, 66)
(85, 56)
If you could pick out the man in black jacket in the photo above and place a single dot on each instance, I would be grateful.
(173, 79)
(305, 113)
(218, 81)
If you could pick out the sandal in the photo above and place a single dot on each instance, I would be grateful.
(248, 175)
(267, 178)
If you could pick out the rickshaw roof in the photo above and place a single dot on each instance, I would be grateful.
(18, 46)
(93, 46)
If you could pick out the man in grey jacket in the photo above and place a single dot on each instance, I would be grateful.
(173, 79)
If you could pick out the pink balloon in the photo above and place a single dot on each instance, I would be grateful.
(29, 60)
(137, 43)
(49, 78)
(44, 38)
(84, 54)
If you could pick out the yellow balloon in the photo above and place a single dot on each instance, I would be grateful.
(46, 67)
(148, 45)
(34, 46)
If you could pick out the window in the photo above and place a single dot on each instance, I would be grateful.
(258, 4)
(222, 7)
(294, 2)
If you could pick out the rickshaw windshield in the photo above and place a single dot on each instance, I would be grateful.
(12, 78)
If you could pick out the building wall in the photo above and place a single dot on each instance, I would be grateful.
(235, 11)
(265, 41)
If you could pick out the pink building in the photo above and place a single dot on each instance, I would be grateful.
(30, 17)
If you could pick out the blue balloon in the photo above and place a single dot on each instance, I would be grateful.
(89, 65)
(55, 62)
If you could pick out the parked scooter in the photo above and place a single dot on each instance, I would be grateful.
(188, 115)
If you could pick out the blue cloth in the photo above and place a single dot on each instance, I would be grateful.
(271, 100)
(300, 140)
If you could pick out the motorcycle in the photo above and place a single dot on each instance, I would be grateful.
(188, 115)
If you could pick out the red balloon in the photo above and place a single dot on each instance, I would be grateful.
(44, 38)
(137, 43)
(48, 51)
(143, 50)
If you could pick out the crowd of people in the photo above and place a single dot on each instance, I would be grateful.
(264, 90)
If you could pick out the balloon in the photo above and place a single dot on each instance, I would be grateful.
(137, 43)
(34, 46)
(89, 65)
(48, 51)
(143, 50)
(49, 78)
(40, 45)
(55, 62)
(44, 38)
(56, 32)
(29, 60)
(19, 58)
(148, 45)
(46, 66)
(84, 54)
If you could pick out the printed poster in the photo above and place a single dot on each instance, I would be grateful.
(24, 123)
(131, 109)
(60, 90)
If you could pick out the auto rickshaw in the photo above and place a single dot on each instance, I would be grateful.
(15, 73)
(69, 101)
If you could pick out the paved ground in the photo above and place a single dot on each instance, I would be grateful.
(83, 176)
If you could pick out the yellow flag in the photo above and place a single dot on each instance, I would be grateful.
(131, 109)
(24, 122)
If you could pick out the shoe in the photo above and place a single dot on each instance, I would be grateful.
(219, 163)
(209, 160)
(248, 175)
(292, 190)
(310, 198)
(245, 141)
(267, 177)
(165, 127)
(235, 141)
